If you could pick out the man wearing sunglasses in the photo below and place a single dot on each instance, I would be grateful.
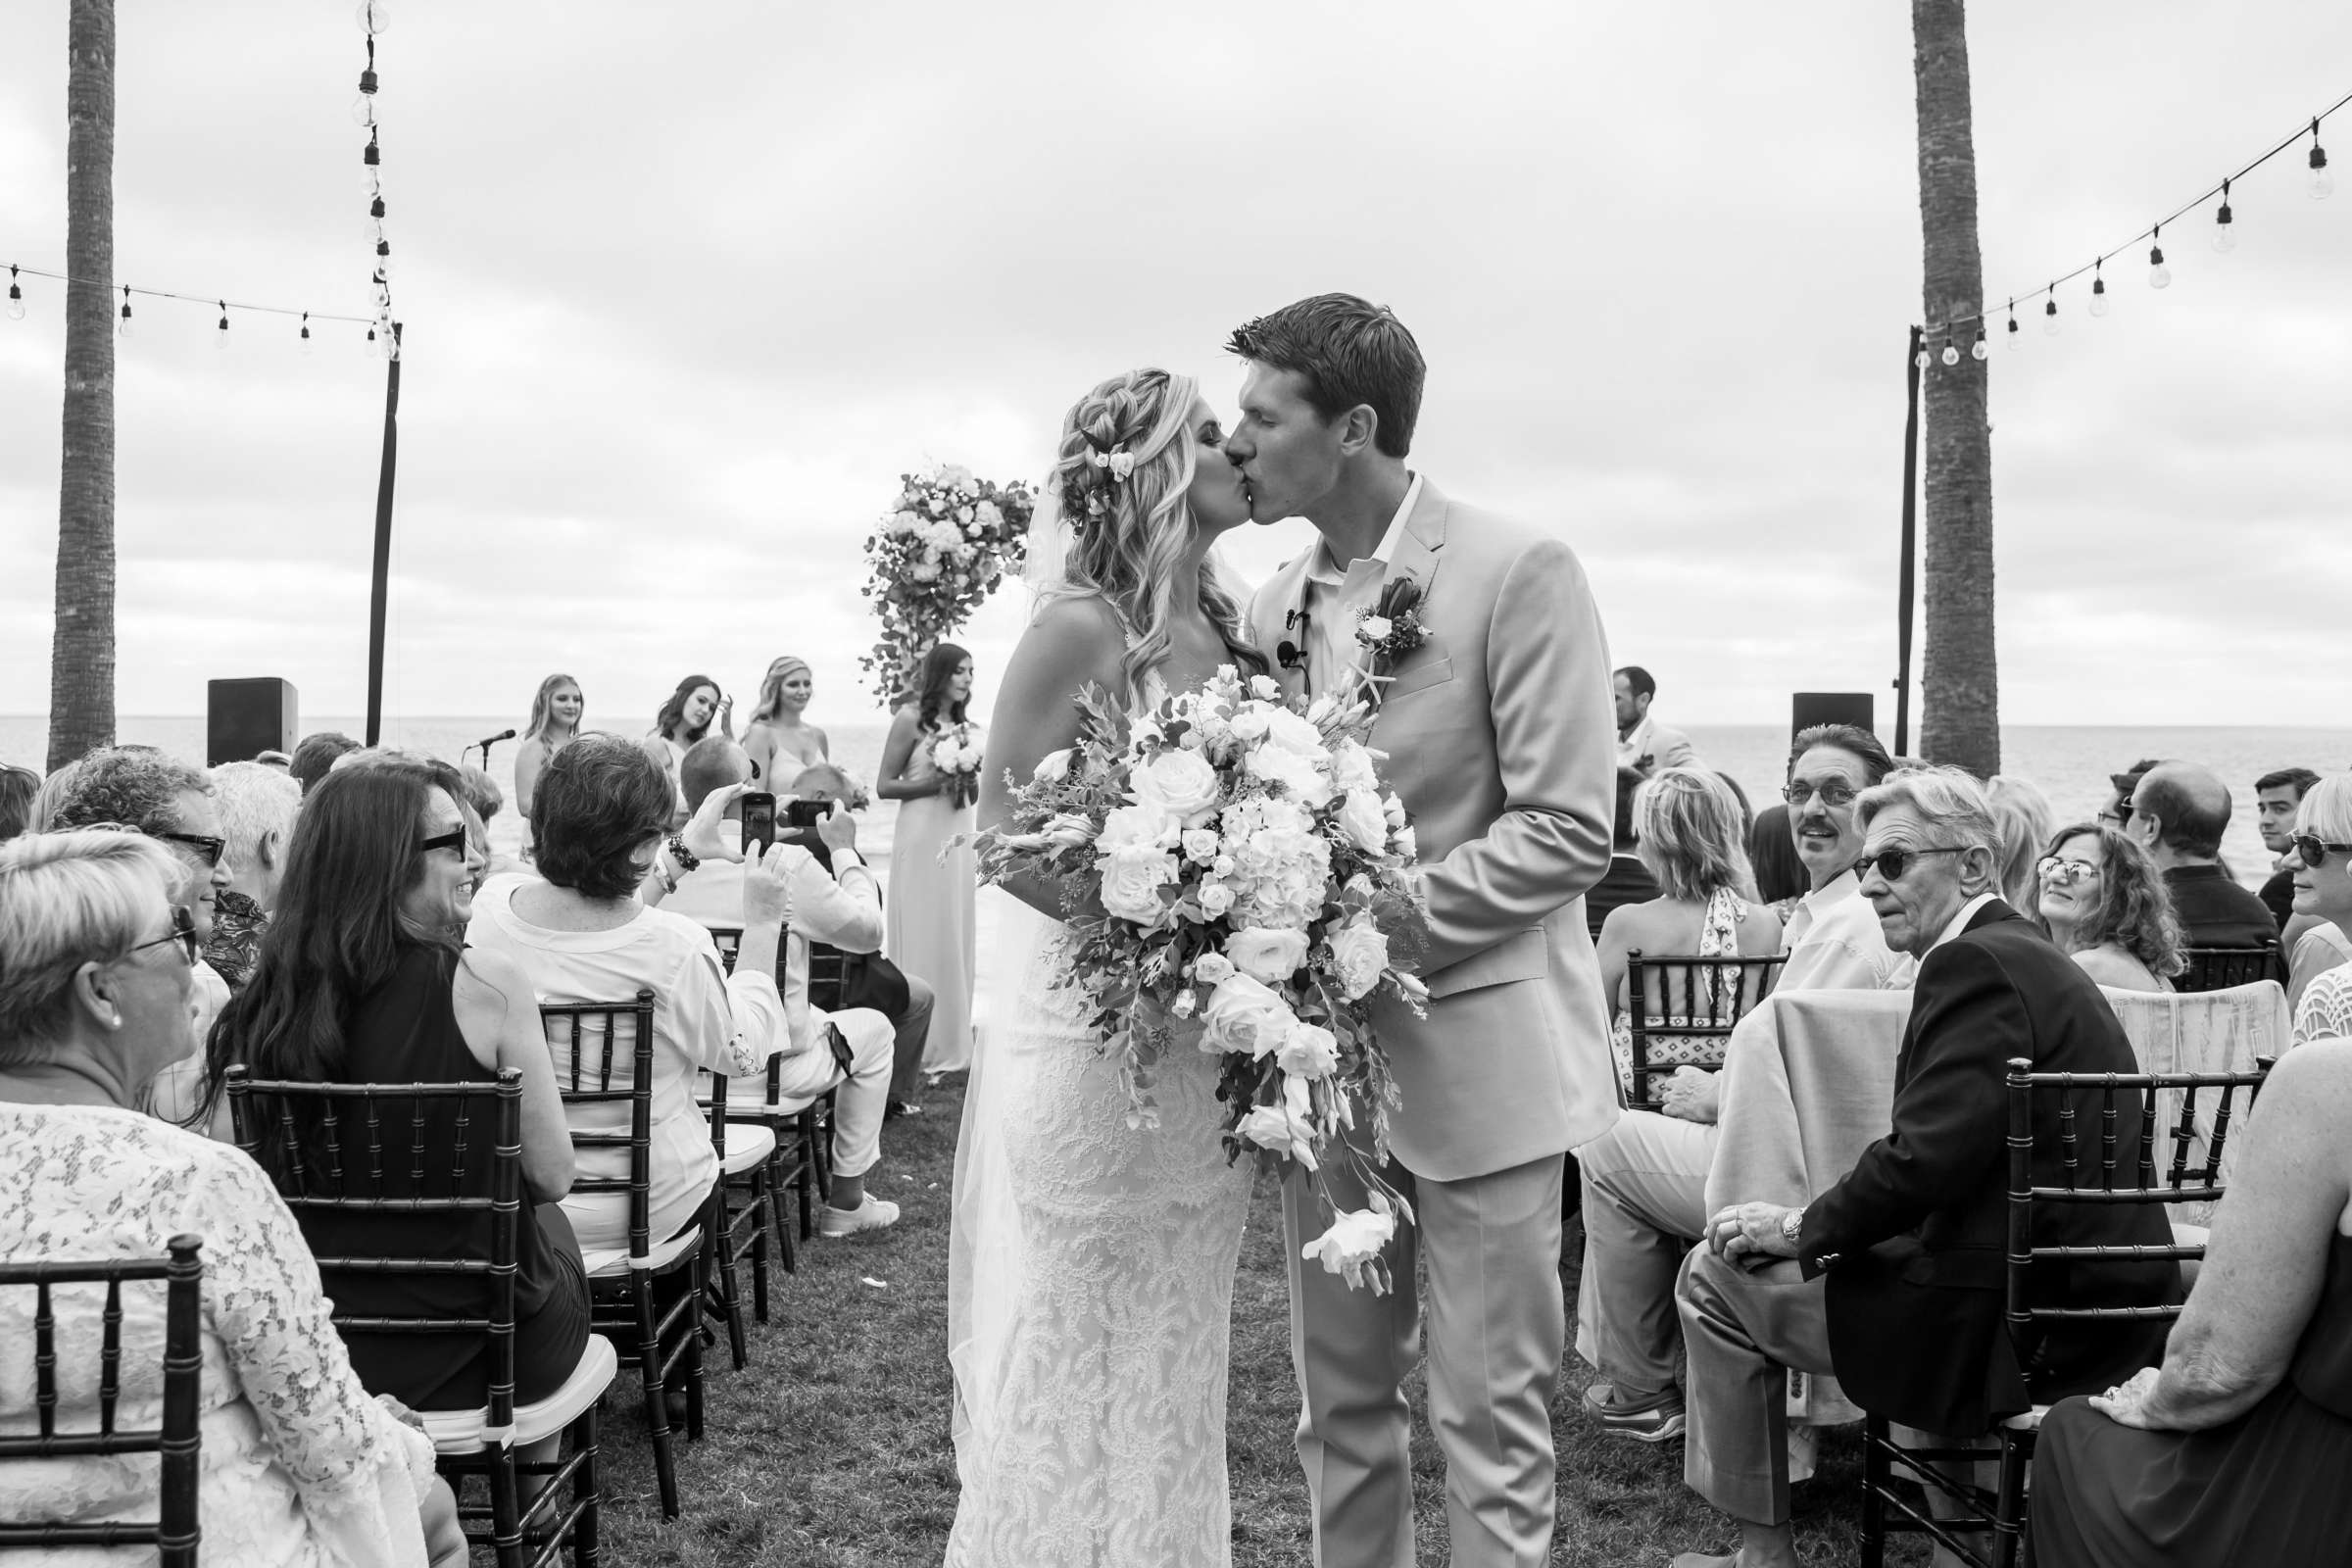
(1892, 1279)
(2180, 812)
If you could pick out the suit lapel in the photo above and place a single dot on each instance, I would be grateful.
(1419, 553)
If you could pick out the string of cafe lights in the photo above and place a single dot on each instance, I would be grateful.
(372, 19)
(2320, 183)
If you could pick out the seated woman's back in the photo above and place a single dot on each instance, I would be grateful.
(2111, 966)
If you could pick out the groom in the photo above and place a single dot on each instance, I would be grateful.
(1501, 737)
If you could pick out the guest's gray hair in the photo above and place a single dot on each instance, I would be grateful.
(2326, 809)
(136, 786)
(256, 800)
(1948, 797)
(66, 900)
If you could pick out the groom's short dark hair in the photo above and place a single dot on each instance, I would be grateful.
(1348, 351)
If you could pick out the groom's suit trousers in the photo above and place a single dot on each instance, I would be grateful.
(1495, 1332)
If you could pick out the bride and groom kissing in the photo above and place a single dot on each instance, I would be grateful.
(1092, 1262)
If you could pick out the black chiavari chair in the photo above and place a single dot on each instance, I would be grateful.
(1685, 1007)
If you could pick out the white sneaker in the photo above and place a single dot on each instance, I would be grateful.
(871, 1215)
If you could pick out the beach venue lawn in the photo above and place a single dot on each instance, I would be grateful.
(831, 1449)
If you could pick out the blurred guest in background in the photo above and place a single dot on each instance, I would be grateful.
(554, 720)
(2276, 797)
(317, 755)
(2323, 889)
(779, 740)
(2026, 820)
(684, 719)
(482, 797)
(2180, 812)
(2101, 901)
(17, 787)
(277, 760)
(2118, 809)
(1627, 880)
(932, 875)
(1780, 878)
(1644, 744)
(258, 807)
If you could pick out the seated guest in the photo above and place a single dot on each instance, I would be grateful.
(2105, 906)
(2324, 890)
(2322, 945)
(2025, 818)
(837, 901)
(2117, 812)
(362, 979)
(1642, 742)
(2276, 797)
(603, 810)
(17, 787)
(1833, 938)
(257, 805)
(1909, 1316)
(2180, 812)
(299, 1465)
(1771, 855)
(316, 756)
(1627, 880)
(2236, 1448)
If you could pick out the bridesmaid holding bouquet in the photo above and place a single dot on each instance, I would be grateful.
(928, 917)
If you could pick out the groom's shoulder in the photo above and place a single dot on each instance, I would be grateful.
(1502, 540)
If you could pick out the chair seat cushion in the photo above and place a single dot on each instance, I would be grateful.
(613, 1262)
(464, 1432)
(748, 1144)
(2028, 1420)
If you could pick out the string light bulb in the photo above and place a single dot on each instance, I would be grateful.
(2049, 317)
(306, 332)
(371, 167)
(363, 108)
(122, 328)
(1923, 358)
(15, 297)
(2323, 183)
(2159, 274)
(2098, 290)
(2225, 225)
(373, 18)
(2013, 324)
(1979, 348)
(1950, 354)
(220, 334)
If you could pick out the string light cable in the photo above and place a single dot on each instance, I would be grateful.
(16, 300)
(2320, 185)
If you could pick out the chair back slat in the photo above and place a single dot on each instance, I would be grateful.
(2107, 1137)
(45, 1357)
(2220, 968)
(1693, 1000)
(110, 1356)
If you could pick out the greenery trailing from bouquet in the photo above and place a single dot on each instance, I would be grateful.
(944, 545)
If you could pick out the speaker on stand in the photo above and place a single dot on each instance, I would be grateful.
(243, 718)
(1809, 708)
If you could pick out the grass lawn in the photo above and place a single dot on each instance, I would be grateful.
(831, 1449)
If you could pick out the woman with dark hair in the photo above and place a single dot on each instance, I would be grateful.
(2103, 901)
(928, 916)
(1780, 878)
(684, 719)
(17, 787)
(361, 978)
(556, 713)
(583, 935)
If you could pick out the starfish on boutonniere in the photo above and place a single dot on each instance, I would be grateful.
(1389, 631)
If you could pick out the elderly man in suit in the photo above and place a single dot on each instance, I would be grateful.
(1896, 1283)
(1495, 724)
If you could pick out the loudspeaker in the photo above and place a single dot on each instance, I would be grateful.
(244, 718)
(1809, 708)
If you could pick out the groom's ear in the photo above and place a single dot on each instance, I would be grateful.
(1358, 428)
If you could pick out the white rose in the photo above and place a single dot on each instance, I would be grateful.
(1052, 767)
(1178, 782)
(1356, 1239)
(1222, 865)
(1294, 772)
(1249, 724)
(1279, 1129)
(1137, 827)
(1201, 844)
(1265, 688)
(988, 515)
(924, 571)
(1393, 808)
(1374, 627)
(1270, 956)
(1361, 821)
(1312, 1052)
(1287, 730)
(1215, 899)
(937, 506)
(1245, 1017)
(1187, 1002)
(1213, 969)
(1351, 769)
(1359, 956)
(1407, 845)
(1131, 882)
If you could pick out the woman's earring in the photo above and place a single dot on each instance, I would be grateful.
(114, 1021)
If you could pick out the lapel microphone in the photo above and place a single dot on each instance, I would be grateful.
(1288, 654)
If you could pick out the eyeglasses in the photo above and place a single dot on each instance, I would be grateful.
(208, 849)
(2313, 850)
(184, 932)
(1893, 863)
(2058, 868)
(454, 839)
(2116, 815)
(1832, 795)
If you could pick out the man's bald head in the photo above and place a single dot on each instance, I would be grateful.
(821, 781)
(712, 763)
(2186, 808)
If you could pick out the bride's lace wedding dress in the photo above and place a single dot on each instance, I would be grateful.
(1090, 1291)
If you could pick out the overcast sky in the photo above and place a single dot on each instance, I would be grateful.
(686, 288)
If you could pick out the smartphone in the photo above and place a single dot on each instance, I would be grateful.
(806, 813)
(758, 821)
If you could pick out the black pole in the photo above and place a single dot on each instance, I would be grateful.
(1910, 555)
(380, 581)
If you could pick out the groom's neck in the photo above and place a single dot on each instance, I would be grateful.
(1358, 510)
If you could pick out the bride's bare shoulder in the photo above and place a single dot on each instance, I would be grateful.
(1070, 641)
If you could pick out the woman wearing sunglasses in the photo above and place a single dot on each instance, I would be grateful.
(299, 1465)
(2102, 901)
(2321, 855)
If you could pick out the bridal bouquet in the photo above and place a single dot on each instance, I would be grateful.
(1253, 885)
(947, 541)
(957, 754)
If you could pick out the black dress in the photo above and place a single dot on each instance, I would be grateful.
(405, 1032)
(2268, 1489)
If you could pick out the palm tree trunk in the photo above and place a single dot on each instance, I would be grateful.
(1960, 695)
(81, 652)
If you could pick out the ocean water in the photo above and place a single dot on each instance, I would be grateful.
(2070, 764)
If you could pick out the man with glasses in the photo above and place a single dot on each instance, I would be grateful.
(2180, 812)
(1892, 1280)
(2117, 812)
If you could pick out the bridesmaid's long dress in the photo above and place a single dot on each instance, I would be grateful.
(928, 927)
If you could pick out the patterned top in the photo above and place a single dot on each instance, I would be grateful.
(236, 939)
(2326, 1012)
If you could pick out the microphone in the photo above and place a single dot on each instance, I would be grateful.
(1286, 653)
(501, 735)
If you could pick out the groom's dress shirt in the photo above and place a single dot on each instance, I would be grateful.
(1834, 942)
(1335, 601)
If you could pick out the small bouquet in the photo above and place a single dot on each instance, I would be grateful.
(1255, 894)
(947, 541)
(957, 754)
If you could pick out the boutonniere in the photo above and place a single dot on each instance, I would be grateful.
(1390, 629)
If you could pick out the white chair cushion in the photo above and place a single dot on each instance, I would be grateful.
(604, 1262)
(463, 1432)
(2028, 1420)
(748, 1144)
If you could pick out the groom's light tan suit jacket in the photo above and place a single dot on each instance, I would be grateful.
(1501, 739)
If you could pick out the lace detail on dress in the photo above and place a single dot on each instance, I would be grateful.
(300, 1465)
(2326, 1012)
(1718, 938)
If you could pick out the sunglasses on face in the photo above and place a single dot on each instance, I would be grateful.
(2315, 851)
(1832, 796)
(208, 849)
(2056, 868)
(454, 839)
(184, 932)
(1893, 863)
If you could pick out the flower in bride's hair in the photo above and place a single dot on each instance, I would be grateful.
(1122, 464)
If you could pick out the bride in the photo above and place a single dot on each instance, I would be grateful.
(1091, 1265)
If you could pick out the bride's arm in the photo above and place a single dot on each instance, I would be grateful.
(1073, 642)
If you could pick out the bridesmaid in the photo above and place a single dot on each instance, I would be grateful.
(684, 719)
(555, 722)
(780, 741)
(928, 919)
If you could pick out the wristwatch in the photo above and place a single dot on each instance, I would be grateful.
(1792, 1225)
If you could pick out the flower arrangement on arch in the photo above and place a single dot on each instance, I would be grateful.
(1238, 882)
(945, 543)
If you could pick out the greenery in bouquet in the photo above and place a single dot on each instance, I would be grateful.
(945, 543)
(1238, 881)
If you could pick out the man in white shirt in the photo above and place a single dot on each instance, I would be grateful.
(1644, 1179)
(843, 908)
(1642, 742)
